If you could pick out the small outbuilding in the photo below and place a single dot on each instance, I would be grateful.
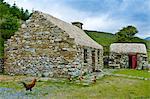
(128, 55)
(48, 46)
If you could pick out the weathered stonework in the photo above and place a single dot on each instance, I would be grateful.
(41, 48)
(122, 57)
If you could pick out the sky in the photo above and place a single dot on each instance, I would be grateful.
(100, 15)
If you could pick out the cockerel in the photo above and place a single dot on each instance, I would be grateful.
(29, 86)
(81, 78)
(94, 79)
(70, 78)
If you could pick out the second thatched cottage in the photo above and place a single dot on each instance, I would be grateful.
(45, 45)
(128, 55)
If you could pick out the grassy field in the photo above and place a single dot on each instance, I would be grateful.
(108, 87)
(102, 38)
(149, 56)
(138, 73)
(105, 39)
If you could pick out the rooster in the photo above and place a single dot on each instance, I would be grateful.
(70, 78)
(94, 79)
(30, 85)
(81, 78)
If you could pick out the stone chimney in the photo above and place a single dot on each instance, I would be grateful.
(78, 24)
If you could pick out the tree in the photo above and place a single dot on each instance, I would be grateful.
(15, 11)
(126, 34)
(4, 9)
(10, 17)
(24, 14)
(9, 26)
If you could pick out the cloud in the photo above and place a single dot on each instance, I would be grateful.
(102, 23)
(104, 15)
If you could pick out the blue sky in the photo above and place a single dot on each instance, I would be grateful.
(100, 15)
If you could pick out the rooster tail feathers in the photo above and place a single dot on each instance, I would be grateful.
(24, 84)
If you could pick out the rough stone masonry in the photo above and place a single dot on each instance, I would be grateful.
(42, 48)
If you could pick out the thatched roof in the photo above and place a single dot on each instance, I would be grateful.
(128, 48)
(78, 34)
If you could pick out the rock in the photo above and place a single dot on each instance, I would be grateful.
(39, 74)
(58, 40)
(23, 26)
(44, 79)
(28, 21)
(46, 74)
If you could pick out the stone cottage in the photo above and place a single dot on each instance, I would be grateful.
(47, 46)
(128, 55)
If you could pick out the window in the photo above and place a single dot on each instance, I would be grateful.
(85, 55)
(98, 55)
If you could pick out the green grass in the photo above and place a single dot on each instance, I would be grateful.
(105, 39)
(148, 42)
(108, 87)
(149, 55)
(102, 38)
(139, 73)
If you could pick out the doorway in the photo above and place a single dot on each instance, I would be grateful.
(132, 61)
(93, 61)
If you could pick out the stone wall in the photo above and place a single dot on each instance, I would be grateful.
(123, 60)
(142, 61)
(41, 48)
(98, 65)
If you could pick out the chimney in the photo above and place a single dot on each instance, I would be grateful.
(78, 24)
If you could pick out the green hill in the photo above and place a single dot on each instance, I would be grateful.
(103, 38)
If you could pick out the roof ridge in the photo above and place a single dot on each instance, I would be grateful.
(80, 36)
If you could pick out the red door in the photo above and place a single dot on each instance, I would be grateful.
(134, 61)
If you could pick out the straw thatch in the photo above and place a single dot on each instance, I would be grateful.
(78, 34)
(128, 48)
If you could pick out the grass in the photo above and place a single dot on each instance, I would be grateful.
(148, 55)
(105, 39)
(102, 38)
(108, 87)
(138, 73)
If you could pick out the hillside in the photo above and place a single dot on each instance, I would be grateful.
(106, 39)
(103, 38)
(148, 38)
